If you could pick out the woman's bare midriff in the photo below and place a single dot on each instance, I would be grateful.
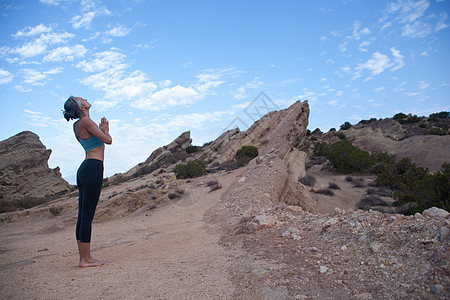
(97, 153)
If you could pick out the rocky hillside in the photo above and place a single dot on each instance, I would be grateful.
(24, 173)
(423, 139)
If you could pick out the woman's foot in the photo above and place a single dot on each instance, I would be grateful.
(92, 263)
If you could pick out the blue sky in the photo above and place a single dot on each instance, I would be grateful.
(158, 68)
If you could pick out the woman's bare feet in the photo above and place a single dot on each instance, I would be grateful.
(92, 263)
(86, 260)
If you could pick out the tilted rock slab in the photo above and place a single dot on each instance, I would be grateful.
(273, 176)
(24, 170)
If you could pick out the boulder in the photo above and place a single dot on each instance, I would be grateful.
(24, 170)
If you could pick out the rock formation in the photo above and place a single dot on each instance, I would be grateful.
(24, 171)
(161, 157)
(278, 136)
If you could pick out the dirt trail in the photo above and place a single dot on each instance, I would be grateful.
(167, 253)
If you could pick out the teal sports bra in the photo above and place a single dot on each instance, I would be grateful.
(91, 143)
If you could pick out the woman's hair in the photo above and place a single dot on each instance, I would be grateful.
(71, 109)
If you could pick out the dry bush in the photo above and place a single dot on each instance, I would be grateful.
(327, 192)
(308, 180)
(333, 186)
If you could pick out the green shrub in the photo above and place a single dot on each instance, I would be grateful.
(247, 151)
(437, 116)
(191, 149)
(365, 122)
(400, 116)
(345, 157)
(423, 125)
(345, 126)
(438, 131)
(190, 170)
(340, 135)
(316, 131)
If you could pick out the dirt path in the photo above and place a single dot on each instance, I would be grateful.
(167, 253)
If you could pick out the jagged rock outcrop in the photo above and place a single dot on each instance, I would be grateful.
(274, 174)
(24, 171)
(161, 157)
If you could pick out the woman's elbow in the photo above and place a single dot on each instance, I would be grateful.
(108, 141)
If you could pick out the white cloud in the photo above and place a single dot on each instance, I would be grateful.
(32, 31)
(358, 32)
(363, 45)
(83, 20)
(31, 49)
(119, 86)
(196, 120)
(177, 95)
(411, 94)
(22, 89)
(416, 29)
(66, 53)
(241, 91)
(5, 77)
(398, 59)
(408, 11)
(40, 37)
(34, 77)
(52, 2)
(381, 88)
(379, 63)
(441, 23)
(376, 65)
(118, 31)
(412, 18)
(423, 85)
(106, 60)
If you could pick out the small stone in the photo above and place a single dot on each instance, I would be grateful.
(392, 219)
(437, 289)
(343, 248)
(435, 212)
(294, 230)
(312, 249)
(375, 247)
(241, 180)
(337, 211)
(362, 238)
(323, 270)
(286, 233)
(329, 222)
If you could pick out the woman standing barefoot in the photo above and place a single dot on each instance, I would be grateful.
(90, 173)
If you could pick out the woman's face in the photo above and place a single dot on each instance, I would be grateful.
(83, 103)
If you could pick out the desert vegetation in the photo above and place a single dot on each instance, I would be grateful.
(191, 169)
(409, 184)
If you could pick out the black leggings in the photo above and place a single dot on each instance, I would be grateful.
(89, 181)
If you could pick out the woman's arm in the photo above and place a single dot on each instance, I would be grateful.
(101, 133)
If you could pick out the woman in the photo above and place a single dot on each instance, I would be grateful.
(90, 174)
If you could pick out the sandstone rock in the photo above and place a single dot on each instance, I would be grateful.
(24, 171)
(435, 212)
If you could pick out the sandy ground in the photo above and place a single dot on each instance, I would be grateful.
(167, 253)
